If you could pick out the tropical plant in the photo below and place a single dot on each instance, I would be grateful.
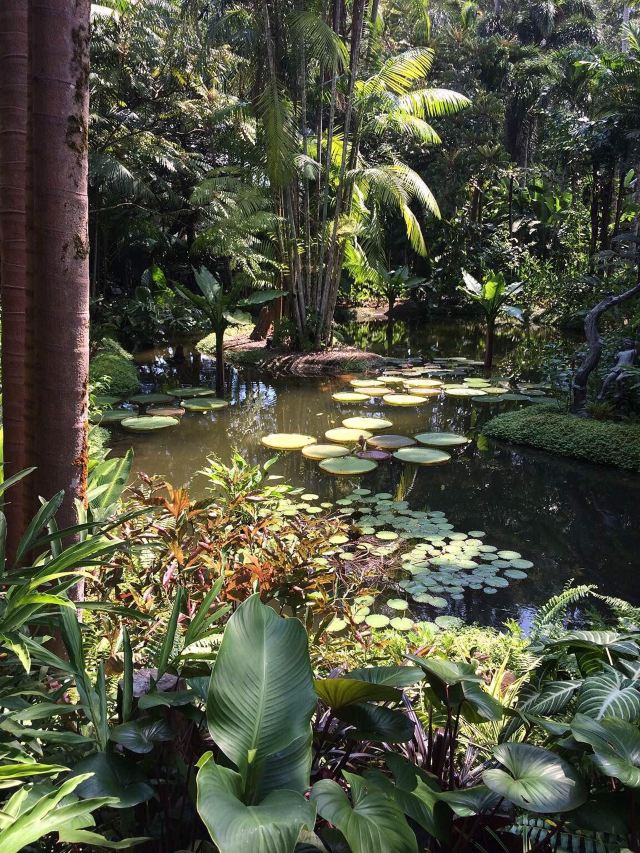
(492, 296)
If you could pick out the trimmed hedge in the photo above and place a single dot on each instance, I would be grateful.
(544, 427)
(116, 373)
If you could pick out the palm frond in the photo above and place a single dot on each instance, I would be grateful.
(321, 42)
(431, 103)
(400, 73)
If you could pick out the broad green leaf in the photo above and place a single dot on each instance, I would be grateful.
(418, 795)
(24, 771)
(616, 746)
(609, 694)
(393, 676)
(338, 692)
(373, 823)
(113, 776)
(88, 839)
(141, 735)
(467, 802)
(535, 779)
(272, 826)
(376, 723)
(261, 696)
(112, 474)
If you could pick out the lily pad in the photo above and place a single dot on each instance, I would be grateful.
(397, 604)
(390, 442)
(463, 392)
(375, 455)
(366, 423)
(191, 391)
(423, 383)
(365, 383)
(348, 466)
(287, 440)
(424, 392)
(324, 451)
(148, 399)
(349, 397)
(336, 625)
(521, 564)
(377, 620)
(421, 456)
(402, 623)
(375, 391)
(166, 411)
(441, 439)
(149, 423)
(344, 434)
(403, 399)
(111, 416)
(387, 535)
(204, 404)
(448, 621)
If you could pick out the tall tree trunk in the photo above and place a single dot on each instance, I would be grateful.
(18, 406)
(220, 363)
(606, 202)
(489, 345)
(60, 118)
(593, 243)
(594, 341)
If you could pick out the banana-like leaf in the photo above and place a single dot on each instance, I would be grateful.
(112, 474)
(272, 826)
(260, 296)
(616, 746)
(373, 823)
(610, 694)
(535, 779)
(261, 697)
(393, 676)
(338, 692)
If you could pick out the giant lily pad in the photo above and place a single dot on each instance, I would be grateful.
(287, 440)
(348, 466)
(344, 434)
(402, 623)
(424, 392)
(149, 423)
(422, 383)
(441, 439)
(111, 416)
(366, 423)
(148, 399)
(404, 399)
(377, 620)
(324, 451)
(421, 456)
(191, 391)
(166, 411)
(463, 391)
(374, 390)
(365, 383)
(205, 404)
(350, 397)
(390, 442)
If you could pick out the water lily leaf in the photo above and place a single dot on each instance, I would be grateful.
(111, 416)
(374, 822)
(149, 423)
(535, 779)
(365, 383)
(191, 391)
(287, 441)
(166, 411)
(463, 391)
(386, 535)
(442, 439)
(390, 442)
(366, 423)
(336, 625)
(324, 451)
(421, 456)
(344, 435)
(404, 399)
(377, 620)
(148, 399)
(402, 623)
(397, 604)
(348, 466)
(204, 404)
(350, 397)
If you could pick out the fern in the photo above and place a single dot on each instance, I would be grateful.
(551, 613)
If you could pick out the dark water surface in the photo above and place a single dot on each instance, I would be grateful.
(572, 519)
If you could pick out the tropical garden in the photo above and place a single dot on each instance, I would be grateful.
(320, 426)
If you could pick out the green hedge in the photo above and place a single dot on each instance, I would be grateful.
(116, 373)
(603, 442)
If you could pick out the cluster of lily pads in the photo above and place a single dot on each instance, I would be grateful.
(156, 411)
(438, 567)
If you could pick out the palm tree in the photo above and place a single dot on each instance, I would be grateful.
(492, 297)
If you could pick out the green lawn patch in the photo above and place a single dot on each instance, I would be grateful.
(603, 442)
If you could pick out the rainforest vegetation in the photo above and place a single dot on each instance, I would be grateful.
(320, 426)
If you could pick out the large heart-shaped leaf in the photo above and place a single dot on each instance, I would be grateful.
(393, 676)
(457, 685)
(535, 779)
(616, 746)
(373, 722)
(338, 692)
(113, 776)
(141, 735)
(467, 802)
(610, 694)
(261, 695)
(273, 826)
(373, 823)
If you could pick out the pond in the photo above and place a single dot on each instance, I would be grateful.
(572, 520)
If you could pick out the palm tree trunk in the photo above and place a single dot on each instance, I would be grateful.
(220, 383)
(60, 116)
(15, 258)
(490, 340)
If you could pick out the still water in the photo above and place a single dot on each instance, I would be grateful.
(573, 520)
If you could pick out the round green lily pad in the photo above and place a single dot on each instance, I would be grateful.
(448, 621)
(324, 451)
(516, 574)
(191, 391)
(374, 391)
(365, 383)
(287, 440)
(441, 439)
(364, 600)
(402, 623)
(487, 400)
(477, 534)
(349, 397)
(338, 539)
(403, 399)
(509, 555)
(424, 392)
(423, 383)
(204, 404)
(397, 604)
(366, 423)
(421, 456)
(386, 535)
(377, 620)
(344, 434)
(166, 411)
(336, 625)
(348, 466)
(149, 423)
(521, 564)
(111, 416)
(148, 399)
(390, 442)
(463, 392)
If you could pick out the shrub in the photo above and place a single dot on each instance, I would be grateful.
(603, 442)
(116, 373)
